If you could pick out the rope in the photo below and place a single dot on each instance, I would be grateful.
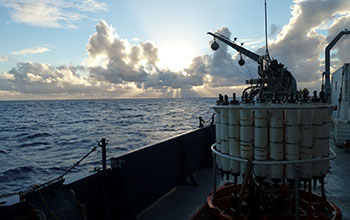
(36, 187)
(78, 162)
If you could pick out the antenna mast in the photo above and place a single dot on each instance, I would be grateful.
(267, 49)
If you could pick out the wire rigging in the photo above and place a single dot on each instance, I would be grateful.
(231, 62)
(252, 68)
(247, 70)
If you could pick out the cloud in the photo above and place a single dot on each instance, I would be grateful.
(114, 68)
(34, 50)
(89, 5)
(118, 67)
(7, 76)
(36, 78)
(3, 58)
(55, 14)
(117, 61)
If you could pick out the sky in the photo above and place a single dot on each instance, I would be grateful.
(87, 49)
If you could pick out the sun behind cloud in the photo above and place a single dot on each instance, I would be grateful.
(176, 55)
(167, 65)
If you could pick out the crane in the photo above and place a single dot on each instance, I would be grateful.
(274, 81)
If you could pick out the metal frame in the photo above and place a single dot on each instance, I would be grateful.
(272, 106)
(296, 163)
(274, 162)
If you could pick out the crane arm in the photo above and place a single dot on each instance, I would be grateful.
(240, 49)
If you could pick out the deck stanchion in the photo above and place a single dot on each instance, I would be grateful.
(103, 144)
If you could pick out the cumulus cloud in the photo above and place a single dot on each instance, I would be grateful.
(3, 58)
(37, 78)
(34, 50)
(114, 67)
(118, 61)
(47, 13)
(7, 76)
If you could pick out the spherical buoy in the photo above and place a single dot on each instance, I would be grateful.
(241, 62)
(214, 45)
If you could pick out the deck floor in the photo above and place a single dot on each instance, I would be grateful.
(182, 201)
(337, 186)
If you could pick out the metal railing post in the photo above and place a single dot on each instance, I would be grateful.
(103, 144)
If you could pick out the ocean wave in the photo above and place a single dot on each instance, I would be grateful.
(22, 172)
(38, 135)
(120, 148)
(21, 135)
(125, 109)
(33, 144)
(132, 116)
(88, 120)
(22, 127)
(84, 121)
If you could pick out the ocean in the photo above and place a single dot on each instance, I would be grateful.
(40, 140)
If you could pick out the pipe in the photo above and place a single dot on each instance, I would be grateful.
(327, 61)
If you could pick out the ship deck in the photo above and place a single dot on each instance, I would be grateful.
(183, 201)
